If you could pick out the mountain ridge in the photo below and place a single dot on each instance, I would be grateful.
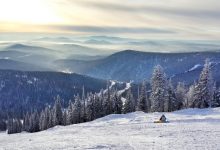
(137, 65)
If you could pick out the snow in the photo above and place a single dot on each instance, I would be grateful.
(123, 100)
(110, 87)
(67, 71)
(188, 129)
(128, 85)
(35, 79)
(180, 60)
(2, 85)
(112, 83)
(24, 76)
(29, 82)
(195, 67)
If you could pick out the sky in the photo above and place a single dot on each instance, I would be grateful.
(161, 19)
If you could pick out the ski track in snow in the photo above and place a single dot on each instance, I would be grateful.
(188, 129)
(123, 100)
(194, 67)
(128, 85)
(112, 84)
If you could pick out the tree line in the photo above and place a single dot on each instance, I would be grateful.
(161, 97)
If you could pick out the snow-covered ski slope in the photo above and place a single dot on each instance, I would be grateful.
(191, 129)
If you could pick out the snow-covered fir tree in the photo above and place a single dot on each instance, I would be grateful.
(26, 122)
(10, 126)
(90, 109)
(204, 88)
(98, 106)
(42, 121)
(34, 122)
(215, 97)
(3, 125)
(159, 89)
(65, 121)
(117, 103)
(180, 95)
(77, 108)
(70, 113)
(190, 96)
(170, 102)
(14, 126)
(143, 102)
(49, 115)
(57, 112)
(129, 105)
(107, 104)
(101, 103)
(83, 105)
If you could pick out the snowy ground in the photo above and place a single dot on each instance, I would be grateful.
(188, 129)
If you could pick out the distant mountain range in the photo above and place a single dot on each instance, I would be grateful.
(38, 58)
(134, 65)
(11, 54)
(122, 66)
(17, 65)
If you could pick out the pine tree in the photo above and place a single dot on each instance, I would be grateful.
(129, 105)
(170, 102)
(34, 122)
(14, 126)
(190, 96)
(143, 102)
(203, 90)
(41, 121)
(77, 108)
(18, 126)
(98, 106)
(91, 107)
(180, 95)
(10, 126)
(58, 114)
(138, 97)
(101, 103)
(65, 122)
(50, 115)
(159, 89)
(108, 103)
(84, 105)
(215, 97)
(70, 113)
(26, 123)
(117, 103)
(3, 125)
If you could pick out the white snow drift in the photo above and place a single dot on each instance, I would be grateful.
(188, 129)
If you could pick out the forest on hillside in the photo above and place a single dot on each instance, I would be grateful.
(162, 97)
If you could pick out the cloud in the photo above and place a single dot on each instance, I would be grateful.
(190, 12)
(101, 29)
(156, 19)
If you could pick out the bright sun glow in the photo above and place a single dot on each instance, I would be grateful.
(28, 12)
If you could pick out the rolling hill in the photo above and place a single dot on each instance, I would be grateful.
(134, 65)
(25, 91)
(8, 64)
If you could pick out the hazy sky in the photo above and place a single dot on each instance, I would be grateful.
(164, 19)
